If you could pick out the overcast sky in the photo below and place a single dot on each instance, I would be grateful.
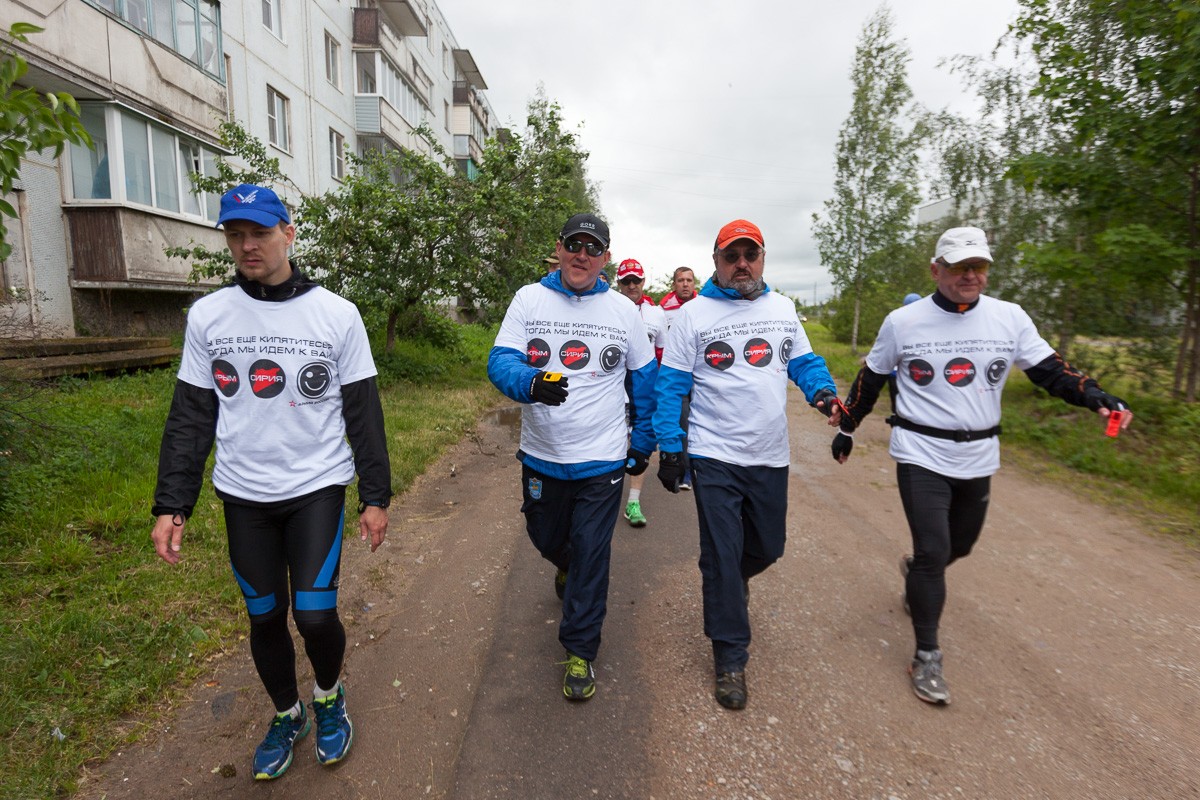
(698, 112)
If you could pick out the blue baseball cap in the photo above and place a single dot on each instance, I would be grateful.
(911, 297)
(255, 203)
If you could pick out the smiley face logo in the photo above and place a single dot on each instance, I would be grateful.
(610, 357)
(315, 379)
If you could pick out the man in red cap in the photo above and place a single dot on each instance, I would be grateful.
(630, 280)
(734, 348)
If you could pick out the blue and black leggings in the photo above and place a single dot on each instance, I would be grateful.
(290, 553)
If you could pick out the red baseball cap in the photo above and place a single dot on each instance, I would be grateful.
(738, 229)
(630, 267)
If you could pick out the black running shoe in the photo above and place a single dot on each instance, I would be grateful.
(579, 679)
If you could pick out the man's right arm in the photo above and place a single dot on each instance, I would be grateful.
(509, 371)
(186, 442)
(671, 387)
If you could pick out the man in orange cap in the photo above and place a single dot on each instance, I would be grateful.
(734, 348)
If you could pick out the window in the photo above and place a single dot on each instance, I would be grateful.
(139, 161)
(192, 28)
(446, 60)
(337, 154)
(333, 59)
(277, 120)
(272, 17)
(446, 114)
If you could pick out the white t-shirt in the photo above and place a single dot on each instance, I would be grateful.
(737, 352)
(592, 340)
(655, 322)
(950, 370)
(277, 369)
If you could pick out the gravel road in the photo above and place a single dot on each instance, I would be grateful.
(1071, 636)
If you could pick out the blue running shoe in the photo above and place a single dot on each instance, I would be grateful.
(274, 755)
(334, 731)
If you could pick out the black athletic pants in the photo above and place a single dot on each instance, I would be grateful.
(290, 553)
(945, 516)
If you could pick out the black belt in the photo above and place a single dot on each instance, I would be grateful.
(942, 433)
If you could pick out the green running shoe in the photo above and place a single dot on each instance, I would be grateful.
(633, 513)
(560, 583)
(579, 679)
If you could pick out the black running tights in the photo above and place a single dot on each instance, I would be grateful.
(945, 516)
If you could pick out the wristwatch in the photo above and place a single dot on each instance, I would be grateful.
(362, 504)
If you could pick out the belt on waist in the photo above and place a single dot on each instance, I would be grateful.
(941, 433)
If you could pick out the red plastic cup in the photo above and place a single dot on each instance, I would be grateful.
(1114, 423)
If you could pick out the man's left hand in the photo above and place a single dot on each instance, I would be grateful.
(826, 401)
(373, 523)
(636, 461)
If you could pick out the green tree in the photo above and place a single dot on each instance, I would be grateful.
(1122, 77)
(29, 120)
(869, 217)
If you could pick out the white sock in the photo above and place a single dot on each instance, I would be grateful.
(635, 495)
(292, 712)
(322, 694)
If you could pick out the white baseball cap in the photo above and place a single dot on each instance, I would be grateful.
(959, 244)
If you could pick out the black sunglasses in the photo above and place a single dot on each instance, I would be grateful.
(575, 245)
(628, 281)
(732, 256)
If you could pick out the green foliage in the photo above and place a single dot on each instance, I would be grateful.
(94, 628)
(29, 120)
(406, 232)
(867, 221)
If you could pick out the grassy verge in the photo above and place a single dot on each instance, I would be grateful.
(1152, 469)
(93, 626)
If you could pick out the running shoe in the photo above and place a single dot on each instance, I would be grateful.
(927, 679)
(685, 485)
(579, 679)
(274, 755)
(905, 567)
(633, 513)
(731, 690)
(560, 583)
(335, 734)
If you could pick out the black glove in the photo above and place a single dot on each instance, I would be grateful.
(843, 443)
(671, 469)
(1096, 398)
(549, 388)
(636, 462)
(827, 397)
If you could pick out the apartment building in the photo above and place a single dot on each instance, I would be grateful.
(309, 78)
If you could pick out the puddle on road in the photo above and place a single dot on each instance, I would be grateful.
(508, 417)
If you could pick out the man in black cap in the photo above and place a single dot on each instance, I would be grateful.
(569, 327)
(293, 425)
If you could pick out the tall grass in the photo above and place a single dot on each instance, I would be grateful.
(92, 625)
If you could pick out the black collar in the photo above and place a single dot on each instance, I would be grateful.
(297, 284)
(946, 304)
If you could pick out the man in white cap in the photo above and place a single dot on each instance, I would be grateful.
(953, 352)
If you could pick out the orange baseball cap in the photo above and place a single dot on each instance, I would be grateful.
(738, 229)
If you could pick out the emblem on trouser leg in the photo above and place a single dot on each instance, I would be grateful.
(535, 488)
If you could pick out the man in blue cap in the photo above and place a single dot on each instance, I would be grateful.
(279, 371)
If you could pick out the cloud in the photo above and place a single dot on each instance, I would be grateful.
(696, 113)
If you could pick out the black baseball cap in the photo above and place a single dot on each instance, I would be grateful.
(586, 223)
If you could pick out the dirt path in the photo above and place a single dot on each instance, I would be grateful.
(1072, 646)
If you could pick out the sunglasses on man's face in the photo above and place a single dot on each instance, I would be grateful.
(628, 281)
(575, 245)
(981, 268)
(751, 255)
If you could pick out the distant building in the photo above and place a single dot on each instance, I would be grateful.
(309, 78)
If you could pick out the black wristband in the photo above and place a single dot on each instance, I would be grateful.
(362, 504)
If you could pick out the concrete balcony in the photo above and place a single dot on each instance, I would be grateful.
(117, 247)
